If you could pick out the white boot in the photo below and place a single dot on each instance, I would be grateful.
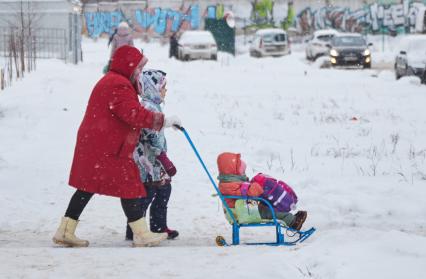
(142, 236)
(65, 235)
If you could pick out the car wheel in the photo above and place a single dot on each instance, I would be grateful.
(406, 70)
(367, 66)
(308, 57)
(397, 75)
(424, 77)
(214, 57)
(186, 57)
(255, 53)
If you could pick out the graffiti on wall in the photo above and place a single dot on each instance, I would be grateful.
(215, 11)
(102, 22)
(390, 18)
(158, 20)
(162, 20)
(262, 11)
(372, 18)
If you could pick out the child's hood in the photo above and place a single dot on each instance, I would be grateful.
(151, 82)
(123, 29)
(229, 163)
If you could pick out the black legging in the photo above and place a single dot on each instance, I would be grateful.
(131, 207)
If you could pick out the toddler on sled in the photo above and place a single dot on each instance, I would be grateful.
(234, 182)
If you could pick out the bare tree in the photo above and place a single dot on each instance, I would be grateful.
(20, 39)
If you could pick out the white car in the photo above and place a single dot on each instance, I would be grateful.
(317, 46)
(270, 42)
(411, 57)
(195, 44)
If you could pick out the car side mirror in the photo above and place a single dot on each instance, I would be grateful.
(370, 44)
(403, 52)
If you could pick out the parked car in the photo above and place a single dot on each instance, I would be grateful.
(423, 80)
(317, 45)
(195, 44)
(411, 57)
(349, 49)
(424, 76)
(270, 42)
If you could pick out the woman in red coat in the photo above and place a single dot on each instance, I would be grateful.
(103, 162)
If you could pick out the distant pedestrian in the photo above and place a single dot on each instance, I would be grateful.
(173, 48)
(121, 36)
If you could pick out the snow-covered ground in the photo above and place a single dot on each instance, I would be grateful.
(352, 143)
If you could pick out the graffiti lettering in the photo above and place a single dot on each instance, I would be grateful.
(101, 22)
(400, 18)
(159, 20)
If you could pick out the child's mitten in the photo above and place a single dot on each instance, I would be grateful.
(167, 164)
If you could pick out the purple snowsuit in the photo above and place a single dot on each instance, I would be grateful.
(278, 193)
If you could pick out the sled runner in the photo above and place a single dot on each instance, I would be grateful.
(293, 235)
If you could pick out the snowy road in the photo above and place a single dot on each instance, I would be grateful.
(350, 142)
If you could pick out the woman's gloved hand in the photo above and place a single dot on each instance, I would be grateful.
(171, 121)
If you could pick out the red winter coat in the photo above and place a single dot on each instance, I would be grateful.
(103, 157)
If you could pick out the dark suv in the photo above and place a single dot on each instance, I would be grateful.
(349, 49)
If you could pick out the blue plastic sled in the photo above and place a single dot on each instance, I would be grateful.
(296, 236)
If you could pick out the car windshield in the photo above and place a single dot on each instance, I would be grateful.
(348, 41)
(197, 38)
(269, 38)
(325, 38)
(417, 46)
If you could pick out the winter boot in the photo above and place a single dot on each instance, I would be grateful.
(171, 234)
(142, 236)
(299, 219)
(65, 235)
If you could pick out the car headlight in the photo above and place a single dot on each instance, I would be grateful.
(366, 52)
(334, 52)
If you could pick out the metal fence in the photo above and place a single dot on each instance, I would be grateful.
(41, 43)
